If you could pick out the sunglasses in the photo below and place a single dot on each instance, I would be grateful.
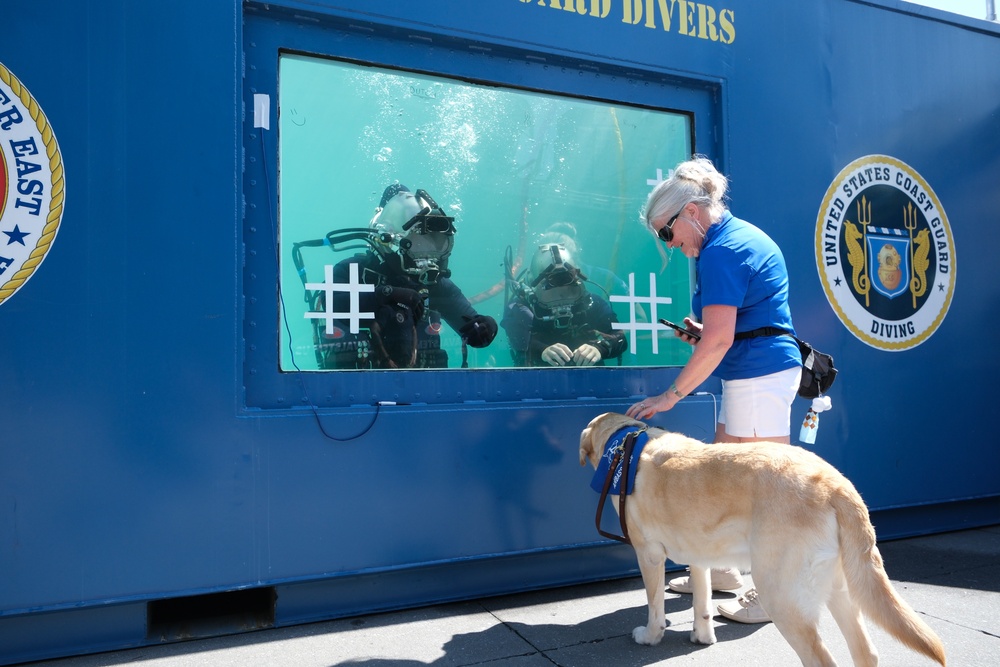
(666, 232)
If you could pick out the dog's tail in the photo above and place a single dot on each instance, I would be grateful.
(868, 583)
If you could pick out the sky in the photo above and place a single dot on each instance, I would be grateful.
(973, 8)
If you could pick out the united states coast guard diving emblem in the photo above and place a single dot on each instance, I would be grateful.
(31, 185)
(885, 253)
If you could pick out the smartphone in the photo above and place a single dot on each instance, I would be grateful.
(683, 330)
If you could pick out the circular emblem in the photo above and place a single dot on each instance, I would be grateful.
(31, 185)
(885, 253)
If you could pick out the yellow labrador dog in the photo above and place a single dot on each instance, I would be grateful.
(779, 509)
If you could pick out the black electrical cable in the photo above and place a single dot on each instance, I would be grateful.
(284, 314)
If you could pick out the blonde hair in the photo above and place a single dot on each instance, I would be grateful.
(697, 181)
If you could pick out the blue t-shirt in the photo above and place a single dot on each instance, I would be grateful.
(741, 266)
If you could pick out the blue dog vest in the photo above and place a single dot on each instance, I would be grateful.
(615, 443)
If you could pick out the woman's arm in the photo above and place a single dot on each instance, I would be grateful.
(718, 329)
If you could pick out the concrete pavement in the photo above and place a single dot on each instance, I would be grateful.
(952, 580)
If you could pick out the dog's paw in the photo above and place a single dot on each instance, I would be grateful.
(642, 635)
(703, 636)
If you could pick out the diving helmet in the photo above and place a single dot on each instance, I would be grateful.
(418, 229)
(553, 281)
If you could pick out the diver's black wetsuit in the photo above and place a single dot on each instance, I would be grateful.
(528, 333)
(402, 334)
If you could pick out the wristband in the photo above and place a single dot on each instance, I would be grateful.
(676, 391)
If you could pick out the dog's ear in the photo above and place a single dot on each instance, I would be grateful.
(585, 446)
(595, 436)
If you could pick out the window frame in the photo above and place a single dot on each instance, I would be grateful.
(270, 33)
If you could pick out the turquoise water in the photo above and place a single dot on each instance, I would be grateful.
(507, 164)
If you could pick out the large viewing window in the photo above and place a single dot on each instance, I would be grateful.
(457, 202)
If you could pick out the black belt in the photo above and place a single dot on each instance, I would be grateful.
(762, 333)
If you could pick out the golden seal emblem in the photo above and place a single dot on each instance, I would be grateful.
(31, 185)
(885, 253)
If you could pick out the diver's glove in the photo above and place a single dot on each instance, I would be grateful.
(478, 331)
(403, 296)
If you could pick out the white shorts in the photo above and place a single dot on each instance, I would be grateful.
(759, 407)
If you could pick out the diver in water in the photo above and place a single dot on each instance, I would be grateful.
(410, 240)
(554, 320)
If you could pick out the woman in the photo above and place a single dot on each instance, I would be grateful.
(740, 302)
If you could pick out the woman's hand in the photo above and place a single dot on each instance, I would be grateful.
(691, 325)
(648, 407)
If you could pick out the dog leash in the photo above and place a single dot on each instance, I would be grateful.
(623, 450)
